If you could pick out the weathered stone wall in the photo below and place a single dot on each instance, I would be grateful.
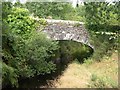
(67, 30)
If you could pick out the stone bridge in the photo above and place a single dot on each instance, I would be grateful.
(67, 30)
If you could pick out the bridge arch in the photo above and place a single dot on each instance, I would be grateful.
(67, 30)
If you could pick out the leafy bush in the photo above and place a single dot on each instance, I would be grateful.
(26, 52)
(101, 16)
(9, 75)
(70, 50)
(55, 9)
(20, 22)
(6, 9)
(20, 26)
(33, 55)
(88, 61)
(102, 43)
(102, 23)
(39, 49)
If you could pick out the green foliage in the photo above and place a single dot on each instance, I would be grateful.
(20, 25)
(0, 73)
(6, 8)
(39, 50)
(102, 82)
(79, 14)
(71, 50)
(9, 75)
(18, 4)
(33, 55)
(93, 77)
(76, 61)
(102, 43)
(26, 51)
(20, 22)
(88, 61)
(102, 16)
(55, 9)
(103, 25)
(102, 13)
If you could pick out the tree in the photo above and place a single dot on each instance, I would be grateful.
(55, 9)
(102, 15)
(25, 52)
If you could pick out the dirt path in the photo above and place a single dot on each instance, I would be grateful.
(75, 76)
(79, 75)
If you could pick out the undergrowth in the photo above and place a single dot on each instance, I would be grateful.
(102, 82)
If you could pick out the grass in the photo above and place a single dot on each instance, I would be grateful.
(102, 82)
(75, 76)
(105, 73)
(102, 74)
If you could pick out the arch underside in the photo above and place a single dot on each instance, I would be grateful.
(66, 30)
